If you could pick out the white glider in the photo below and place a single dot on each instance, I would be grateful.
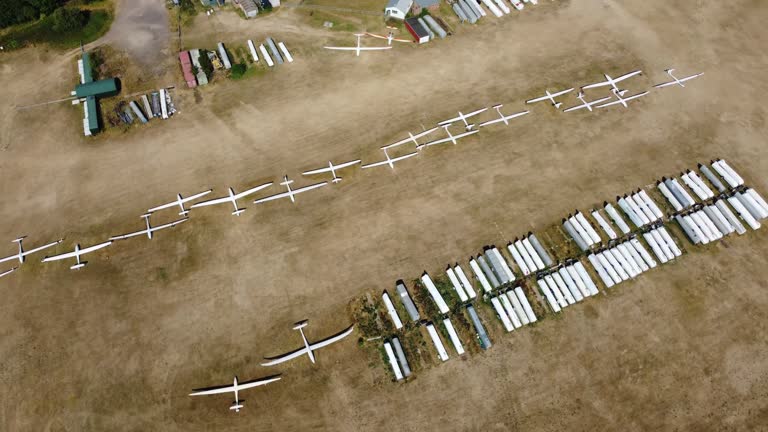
(390, 37)
(235, 388)
(332, 169)
(621, 100)
(76, 254)
(678, 81)
(149, 231)
(180, 202)
(21, 256)
(232, 198)
(550, 97)
(389, 161)
(7, 272)
(291, 192)
(308, 348)
(358, 48)
(585, 104)
(613, 81)
(411, 138)
(502, 117)
(451, 138)
(463, 117)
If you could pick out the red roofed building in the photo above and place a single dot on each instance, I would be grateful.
(186, 69)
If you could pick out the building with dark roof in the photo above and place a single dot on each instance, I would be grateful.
(419, 33)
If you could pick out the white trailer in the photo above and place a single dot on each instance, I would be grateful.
(544, 287)
(401, 357)
(617, 219)
(459, 12)
(524, 254)
(252, 49)
(629, 259)
(480, 276)
(435, 26)
(743, 213)
(725, 175)
(392, 311)
(393, 361)
(518, 259)
(646, 212)
(712, 178)
(651, 204)
(441, 352)
(703, 226)
(693, 186)
(465, 282)
(504, 8)
(456, 285)
(510, 310)
(711, 225)
(575, 235)
(640, 249)
(439, 301)
(580, 230)
(608, 268)
(700, 183)
(681, 193)
(655, 248)
(689, 231)
(526, 305)
(275, 53)
(518, 307)
(570, 284)
(559, 292)
(669, 196)
(285, 52)
(504, 266)
(629, 210)
(601, 272)
(703, 238)
(163, 104)
(758, 199)
(493, 261)
(615, 265)
(147, 107)
(670, 241)
(622, 267)
(488, 273)
(591, 287)
(576, 278)
(587, 227)
(454, 336)
(405, 299)
(532, 253)
(224, 56)
(604, 225)
(472, 16)
(726, 211)
(754, 208)
(731, 172)
(665, 248)
(502, 314)
(639, 260)
(266, 56)
(718, 219)
(485, 342)
(540, 250)
(494, 9)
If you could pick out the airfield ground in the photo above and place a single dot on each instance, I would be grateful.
(118, 345)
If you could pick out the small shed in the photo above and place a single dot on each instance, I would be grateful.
(419, 33)
(397, 9)
(186, 69)
(431, 5)
(248, 7)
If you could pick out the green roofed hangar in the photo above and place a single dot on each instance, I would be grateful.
(89, 91)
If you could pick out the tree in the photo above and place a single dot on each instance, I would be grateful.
(67, 19)
(205, 63)
(238, 70)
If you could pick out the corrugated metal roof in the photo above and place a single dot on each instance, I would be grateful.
(426, 3)
(401, 5)
(87, 72)
(105, 87)
(93, 117)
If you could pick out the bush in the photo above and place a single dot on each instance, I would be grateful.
(238, 70)
(205, 64)
(67, 20)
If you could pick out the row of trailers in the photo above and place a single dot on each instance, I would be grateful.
(490, 270)
(473, 10)
(155, 104)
